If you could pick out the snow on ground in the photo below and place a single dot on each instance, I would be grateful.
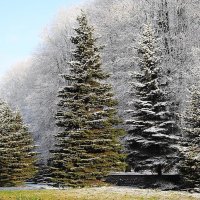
(30, 186)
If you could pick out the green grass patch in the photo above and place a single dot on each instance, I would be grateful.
(103, 193)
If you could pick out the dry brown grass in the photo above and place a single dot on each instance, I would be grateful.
(101, 193)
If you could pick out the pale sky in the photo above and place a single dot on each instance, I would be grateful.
(21, 23)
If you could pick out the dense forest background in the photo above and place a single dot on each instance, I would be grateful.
(32, 85)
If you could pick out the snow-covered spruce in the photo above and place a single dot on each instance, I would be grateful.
(88, 146)
(17, 159)
(190, 163)
(152, 126)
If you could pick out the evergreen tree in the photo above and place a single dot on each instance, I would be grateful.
(152, 127)
(190, 163)
(17, 160)
(88, 147)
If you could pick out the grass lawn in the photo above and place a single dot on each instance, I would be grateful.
(103, 193)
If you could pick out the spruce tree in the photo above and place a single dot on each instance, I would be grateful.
(17, 159)
(190, 163)
(152, 125)
(88, 146)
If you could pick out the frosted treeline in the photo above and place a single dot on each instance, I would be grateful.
(32, 85)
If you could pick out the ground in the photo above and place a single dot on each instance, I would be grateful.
(101, 193)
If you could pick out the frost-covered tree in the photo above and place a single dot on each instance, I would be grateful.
(190, 163)
(17, 159)
(152, 126)
(88, 145)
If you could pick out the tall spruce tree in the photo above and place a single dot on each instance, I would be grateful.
(190, 163)
(17, 159)
(152, 126)
(88, 146)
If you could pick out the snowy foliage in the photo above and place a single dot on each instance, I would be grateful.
(32, 86)
(17, 159)
(153, 124)
(88, 145)
(190, 163)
